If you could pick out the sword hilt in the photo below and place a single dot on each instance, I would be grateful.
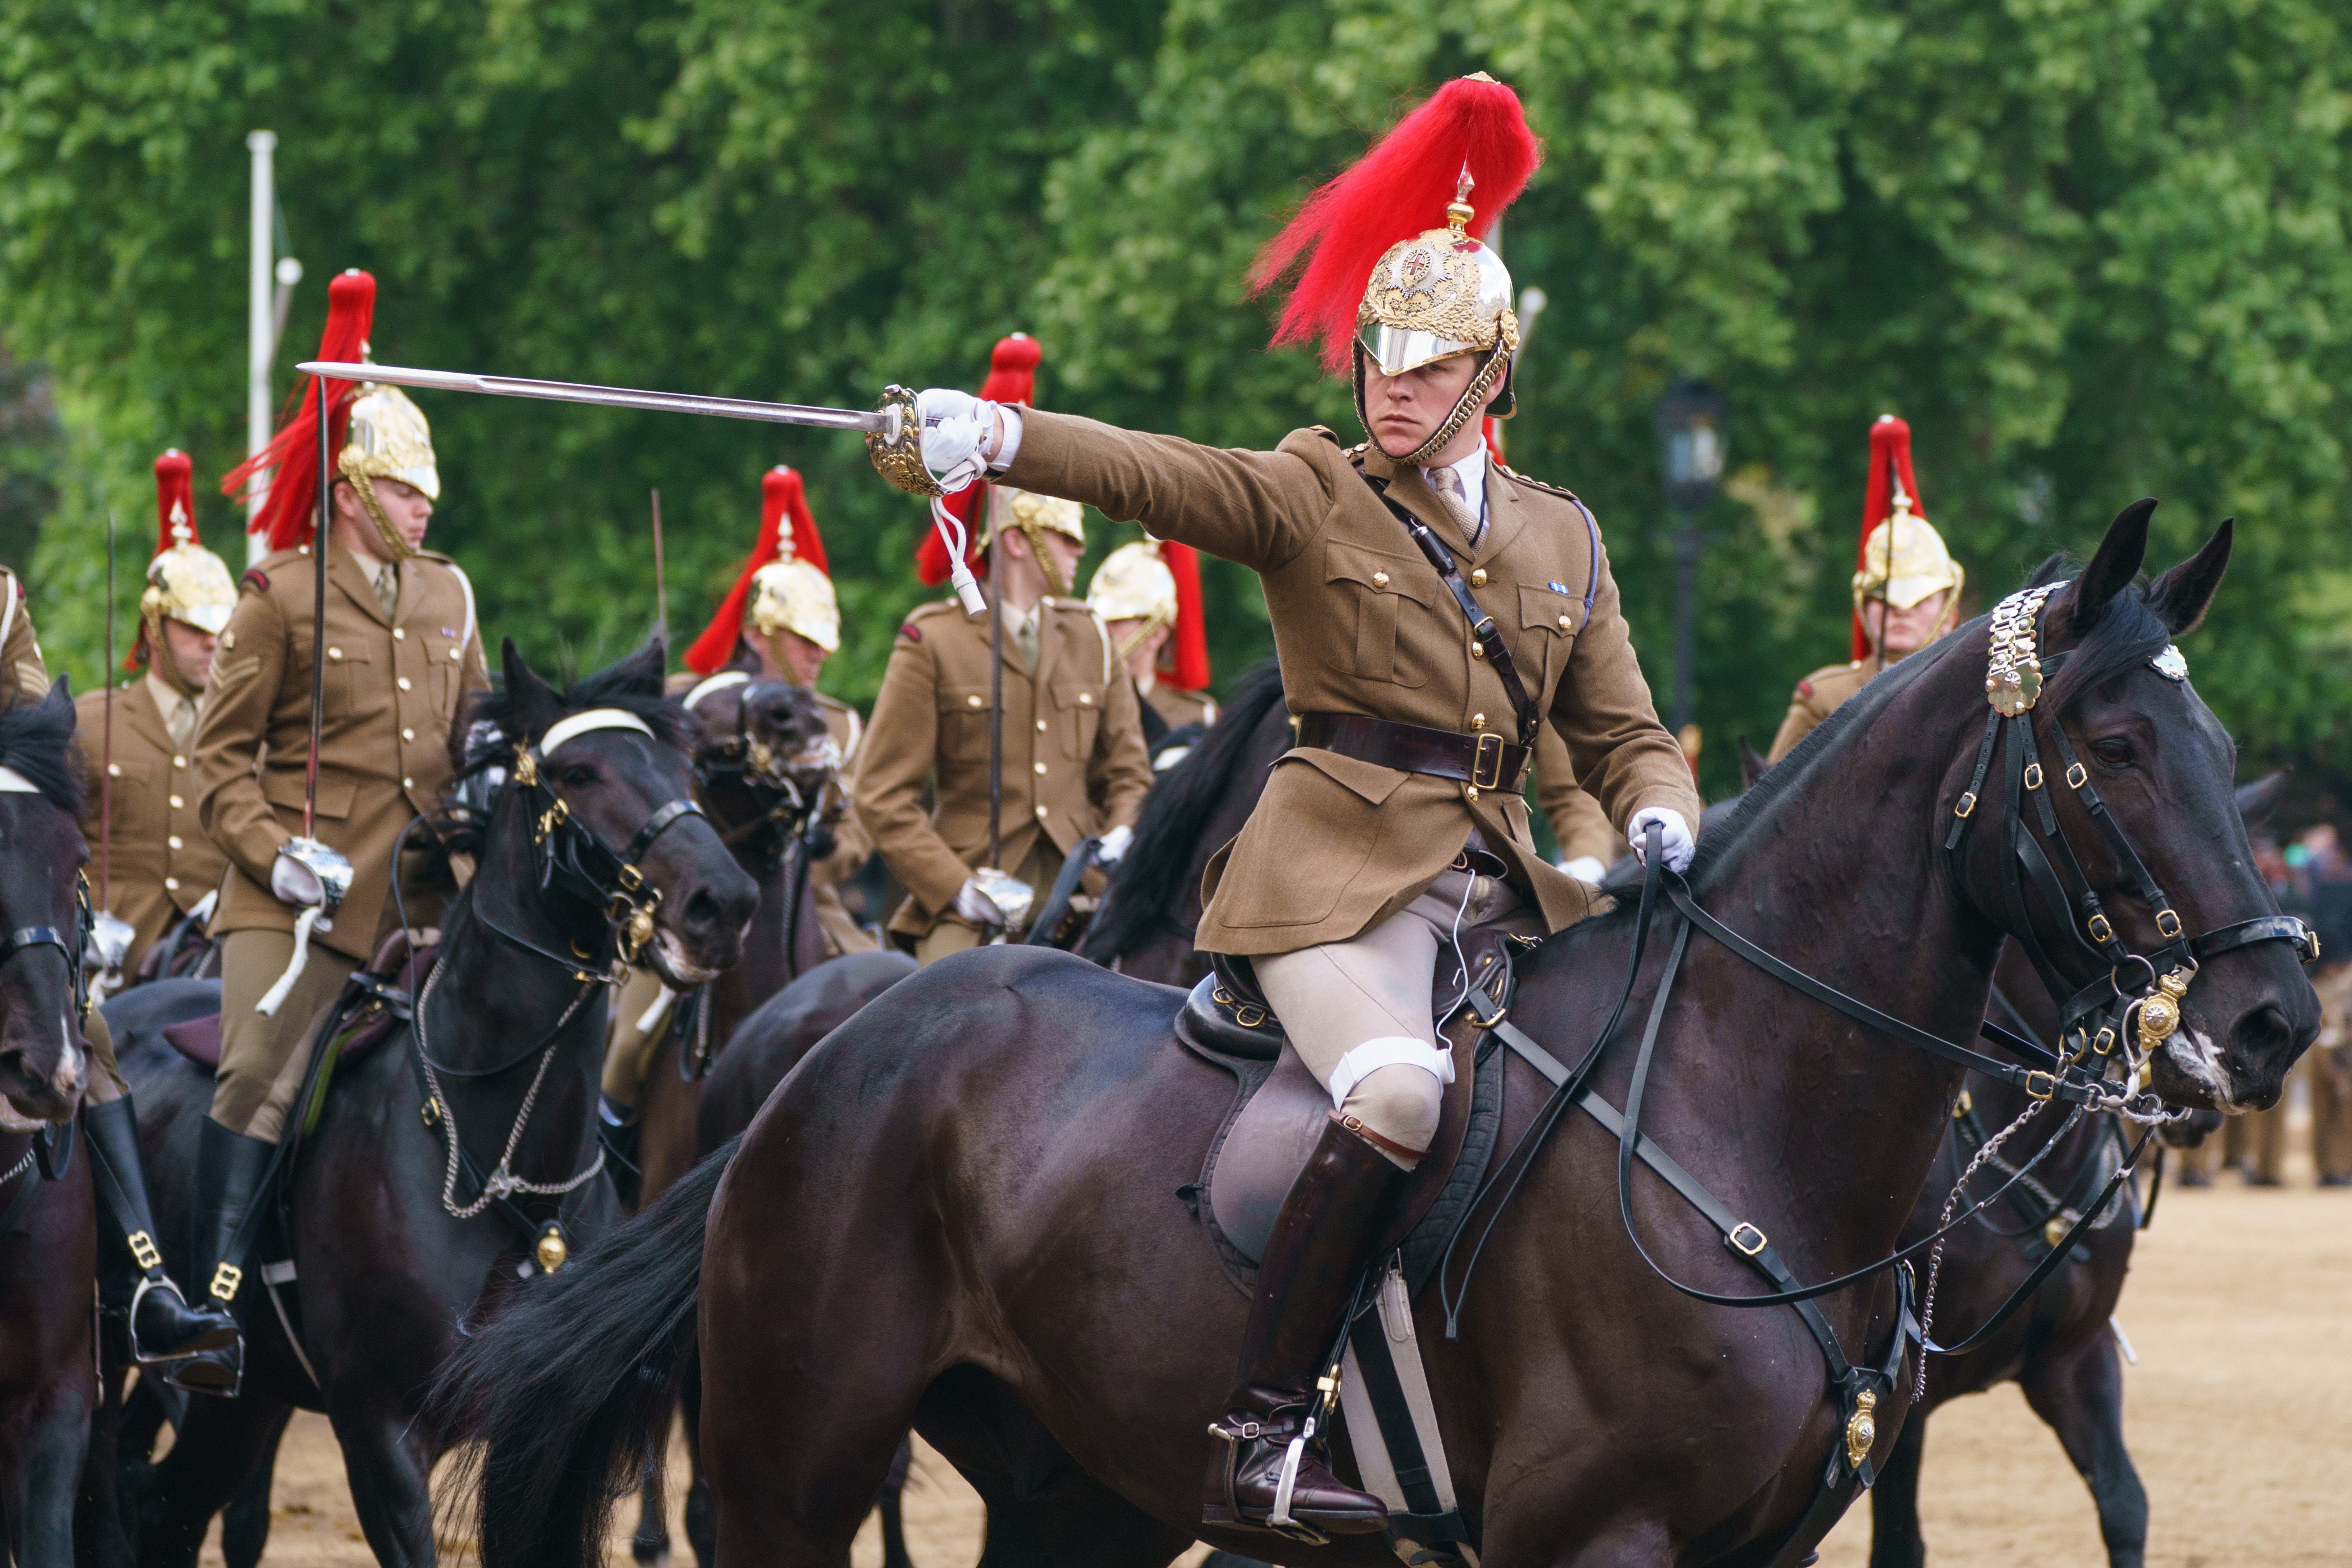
(897, 450)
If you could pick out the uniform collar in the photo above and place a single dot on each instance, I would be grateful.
(351, 574)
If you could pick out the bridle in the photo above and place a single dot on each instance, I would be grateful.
(783, 811)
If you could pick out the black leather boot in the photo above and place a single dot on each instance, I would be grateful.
(131, 1278)
(616, 1130)
(1313, 1261)
(229, 1169)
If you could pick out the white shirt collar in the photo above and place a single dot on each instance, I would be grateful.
(1472, 470)
(168, 702)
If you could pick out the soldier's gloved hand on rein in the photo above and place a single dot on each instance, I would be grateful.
(976, 906)
(1113, 844)
(1674, 841)
(1585, 868)
(295, 883)
(959, 435)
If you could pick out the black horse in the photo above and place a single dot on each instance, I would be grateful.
(393, 1251)
(961, 1211)
(48, 1226)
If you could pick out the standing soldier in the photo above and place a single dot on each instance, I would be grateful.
(1148, 594)
(1905, 594)
(157, 865)
(401, 658)
(1058, 710)
(1431, 611)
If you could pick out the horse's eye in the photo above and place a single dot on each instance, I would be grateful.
(579, 774)
(2113, 752)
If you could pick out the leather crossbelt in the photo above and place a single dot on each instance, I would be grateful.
(1485, 759)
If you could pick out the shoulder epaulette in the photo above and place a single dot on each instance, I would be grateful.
(255, 581)
(1560, 490)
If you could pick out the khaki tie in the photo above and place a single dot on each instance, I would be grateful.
(1447, 484)
(387, 590)
(1025, 639)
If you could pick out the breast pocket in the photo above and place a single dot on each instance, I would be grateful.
(353, 680)
(963, 723)
(1369, 591)
(1548, 628)
(1077, 708)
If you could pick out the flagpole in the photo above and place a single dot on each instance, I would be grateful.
(261, 320)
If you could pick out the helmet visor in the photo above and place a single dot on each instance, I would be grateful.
(211, 618)
(1396, 349)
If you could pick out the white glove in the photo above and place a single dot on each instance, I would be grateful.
(1585, 868)
(958, 430)
(295, 883)
(977, 907)
(1113, 844)
(1676, 841)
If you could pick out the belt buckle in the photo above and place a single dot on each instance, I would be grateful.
(1485, 766)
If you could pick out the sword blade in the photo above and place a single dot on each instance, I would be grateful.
(866, 420)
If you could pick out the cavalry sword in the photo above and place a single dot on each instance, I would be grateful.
(894, 437)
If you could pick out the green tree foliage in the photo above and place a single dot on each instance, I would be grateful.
(2091, 250)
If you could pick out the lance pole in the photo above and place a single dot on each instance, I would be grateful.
(991, 500)
(661, 583)
(261, 321)
(319, 619)
(106, 738)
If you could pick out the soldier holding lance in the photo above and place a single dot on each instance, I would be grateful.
(1906, 588)
(309, 894)
(1024, 725)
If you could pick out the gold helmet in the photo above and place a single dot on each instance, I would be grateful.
(186, 582)
(1432, 293)
(785, 586)
(790, 595)
(1904, 559)
(388, 440)
(1133, 583)
(1035, 515)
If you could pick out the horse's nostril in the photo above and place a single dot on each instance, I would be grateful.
(701, 911)
(2264, 1032)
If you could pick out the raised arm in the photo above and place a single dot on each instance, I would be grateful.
(1257, 508)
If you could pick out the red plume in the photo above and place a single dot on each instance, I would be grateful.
(1011, 378)
(1189, 649)
(1491, 430)
(1890, 459)
(286, 517)
(1401, 188)
(175, 485)
(787, 532)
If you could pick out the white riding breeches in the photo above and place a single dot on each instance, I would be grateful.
(1357, 1012)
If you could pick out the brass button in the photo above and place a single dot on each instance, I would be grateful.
(179, 762)
(1379, 579)
(174, 840)
(1477, 650)
(973, 701)
(408, 735)
(172, 883)
(1041, 811)
(408, 783)
(1566, 626)
(398, 636)
(1478, 578)
(1041, 768)
(1472, 791)
(1477, 721)
(1086, 699)
(402, 683)
(334, 653)
(1041, 726)
(114, 771)
(177, 802)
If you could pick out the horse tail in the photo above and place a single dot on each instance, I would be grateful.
(560, 1394)
(1149, 879)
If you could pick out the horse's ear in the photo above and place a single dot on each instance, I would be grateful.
(644, 672)
(2112, 569)
(533, 700)
(2258, 799)
(59, 701)
(1751, 767)
(2180, 596)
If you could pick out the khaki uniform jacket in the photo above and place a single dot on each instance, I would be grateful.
(1363, 625)
(851, 843)
(1073, 766)
(26, 678)
(394, 687)
(160, 862)
(1816, 697)
(1577, 822)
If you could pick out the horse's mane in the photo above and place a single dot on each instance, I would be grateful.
(36, 740)
(1175, 813)
(632, 684)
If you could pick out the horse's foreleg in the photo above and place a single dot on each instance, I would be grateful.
(2081, 1395)
(651, 1542)
(41, 1447)
(1895, 1539)
(218, 1449)
(390, 1468)
(244, 1524)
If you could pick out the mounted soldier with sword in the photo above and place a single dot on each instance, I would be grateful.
(1432, 612)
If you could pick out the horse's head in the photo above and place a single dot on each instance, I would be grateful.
(765, 752)
(603, 797)
(42, 1060)
(2145, 889)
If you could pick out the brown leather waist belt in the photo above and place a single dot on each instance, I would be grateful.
(1484, 760)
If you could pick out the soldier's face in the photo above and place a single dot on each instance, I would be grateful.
(1144, 657)
(406, 507)
(789, 656)
(1897, 632)
(190, 649)
(1405, 410)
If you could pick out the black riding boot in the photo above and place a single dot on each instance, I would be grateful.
(229, 1169)
(616, 1130)
(1313, 1261)
(131, 1276)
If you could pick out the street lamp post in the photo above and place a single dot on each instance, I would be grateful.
(1690, 464)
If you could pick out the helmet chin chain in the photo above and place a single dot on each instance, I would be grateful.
(391, 537)
(1496, 368)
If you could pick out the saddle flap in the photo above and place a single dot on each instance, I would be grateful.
(1214, 1021)
(197, 1038)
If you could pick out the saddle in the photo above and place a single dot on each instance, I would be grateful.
(1280, 1110)
(363, 1016)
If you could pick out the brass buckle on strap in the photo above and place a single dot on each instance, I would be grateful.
(1737, 1238)
(2049, 1077)
(1486, 761)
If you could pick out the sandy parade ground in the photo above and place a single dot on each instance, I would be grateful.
(2238, 1415)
